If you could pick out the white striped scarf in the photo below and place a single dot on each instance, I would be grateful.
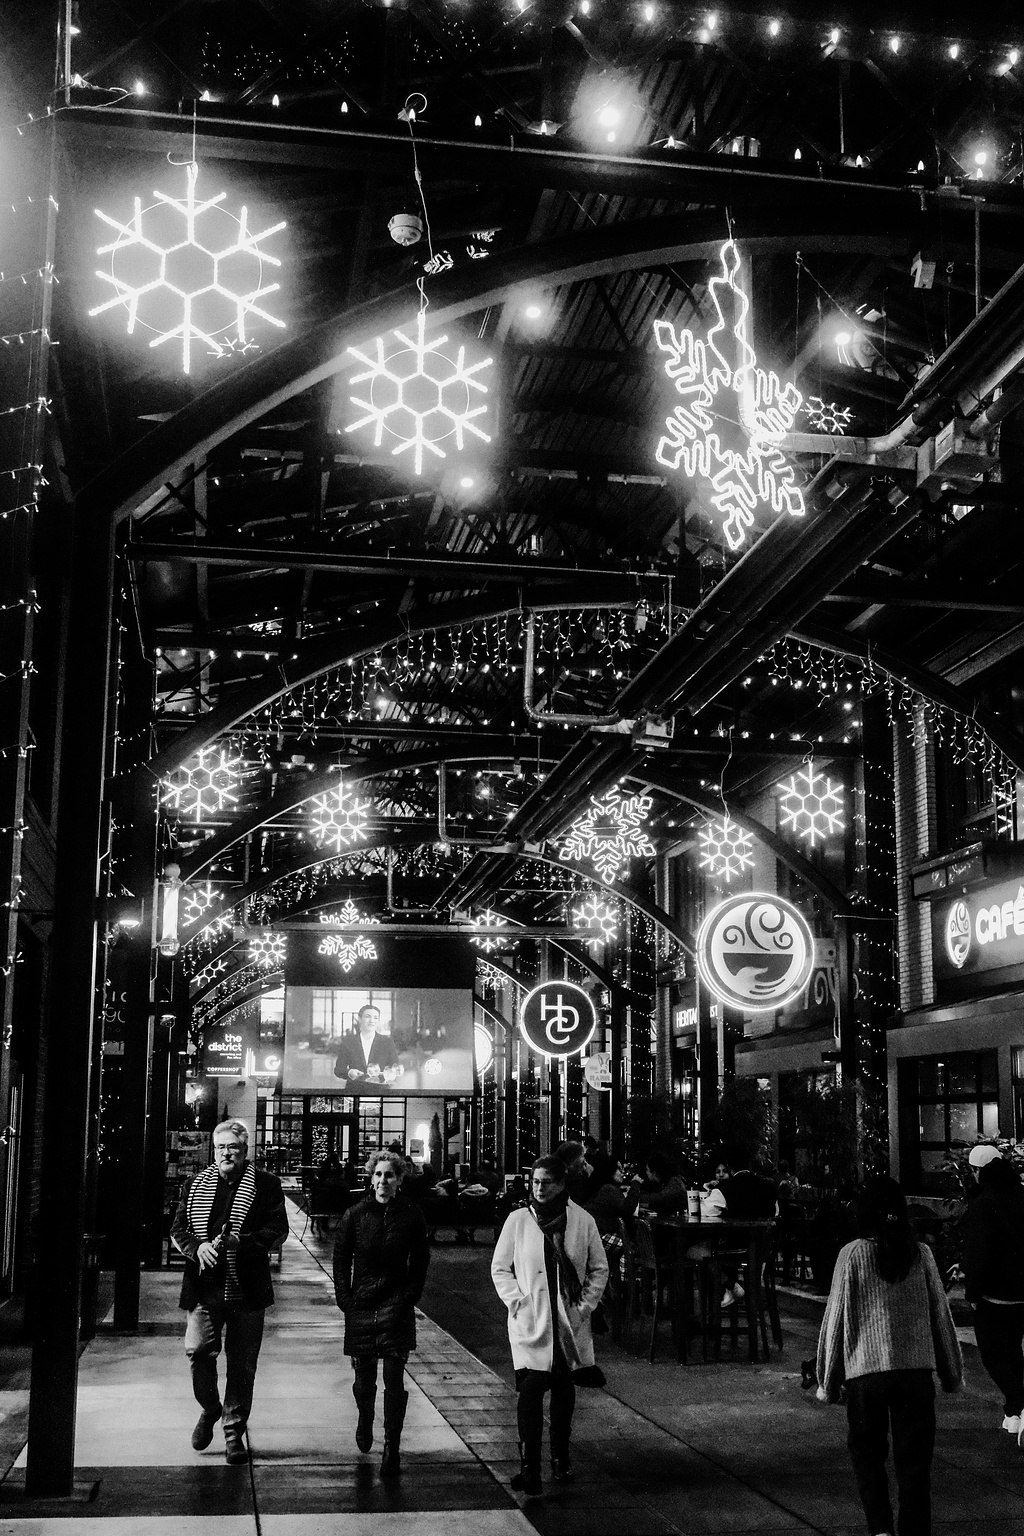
(200, 1208)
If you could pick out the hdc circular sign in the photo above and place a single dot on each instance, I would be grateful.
(755, 951)
(557, 1018)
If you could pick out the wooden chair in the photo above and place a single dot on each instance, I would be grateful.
(751, 1264)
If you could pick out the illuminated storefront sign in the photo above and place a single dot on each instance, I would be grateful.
(978, 932)
(755, 951)
(557, 1019)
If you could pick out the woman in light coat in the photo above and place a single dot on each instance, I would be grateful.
(551, 1249)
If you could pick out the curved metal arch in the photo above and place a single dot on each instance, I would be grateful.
(321, 783)
(930, 685)
(323, 655)
(275, 377)
(268, 983)
(665, 783)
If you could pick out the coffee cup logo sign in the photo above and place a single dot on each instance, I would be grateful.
(958, 933)
(557, 1018)
(755, 951)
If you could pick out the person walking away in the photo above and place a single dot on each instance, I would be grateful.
(992, 1245)
(550, 1270)
(381, 1255)
(886, 1328)
(228, 1220)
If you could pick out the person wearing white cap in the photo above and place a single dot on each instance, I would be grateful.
(992, 1243)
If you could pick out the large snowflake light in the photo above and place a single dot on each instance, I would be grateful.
(348, 951)
(338, 820)
(198, 898)
(725, 849)
(268, 950)
(610, 833)
(192, 263)
(205, 785)
(418, 395)
(812, 805)
(594, 913)
(719, 390)
(826, 416)
(490, 941)
(346, 916)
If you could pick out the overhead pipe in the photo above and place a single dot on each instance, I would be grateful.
(550, 717)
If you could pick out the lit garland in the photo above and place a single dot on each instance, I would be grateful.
(725, 848)
(811, 804)
(766, 410)
(268, 950)
(193, 273)
(595, 913)
(338, 820)
(610, 833)
(419, 395)
(204, 786)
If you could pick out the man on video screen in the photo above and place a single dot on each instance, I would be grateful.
(366, 1058)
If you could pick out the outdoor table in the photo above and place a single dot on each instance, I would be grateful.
(684, 1235)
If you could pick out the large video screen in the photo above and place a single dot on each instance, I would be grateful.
(393, 1022)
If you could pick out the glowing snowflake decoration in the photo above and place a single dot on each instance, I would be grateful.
(418, 395)
(348, 951)
(494, 979)
(812, 805)
(490, 941)
(716, 389)
(267, 950)
(210, 972)
(161, 269)
(204, 786)
(338, 819)
(826, 416)
(594, 913)
(725, 849)
(346, 916)
(610, 833)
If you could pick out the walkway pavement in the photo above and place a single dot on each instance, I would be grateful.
(667, 1448)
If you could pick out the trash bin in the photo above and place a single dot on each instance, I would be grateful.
(92, 1244)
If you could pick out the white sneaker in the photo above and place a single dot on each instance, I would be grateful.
(728, 1297)
(1011, 1423)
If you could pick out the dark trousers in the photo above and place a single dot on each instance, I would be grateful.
(530, 1411)
(904, 1401)
(1000, 1333)
(242, 1331)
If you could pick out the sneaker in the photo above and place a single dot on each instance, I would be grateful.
(203, 1432)
(728, 1297)
(1011, 1423)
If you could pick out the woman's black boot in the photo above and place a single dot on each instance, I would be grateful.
(364, 1390)
(527, 1479)
(394, 1419)
(561, 1468)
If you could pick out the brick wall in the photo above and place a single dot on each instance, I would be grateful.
(914, 758)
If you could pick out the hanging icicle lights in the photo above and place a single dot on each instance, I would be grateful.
(717, 390)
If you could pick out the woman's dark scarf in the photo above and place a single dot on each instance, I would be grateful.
(551, 1218)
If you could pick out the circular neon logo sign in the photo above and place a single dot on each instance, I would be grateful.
(755, 951)
(557, 1018)
(958, 933)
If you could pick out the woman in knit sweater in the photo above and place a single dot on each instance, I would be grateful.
(886, 1328)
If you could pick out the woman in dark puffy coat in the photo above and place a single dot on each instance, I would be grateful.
(381, 1255)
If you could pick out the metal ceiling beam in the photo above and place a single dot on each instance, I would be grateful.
(898, 592)
(460, 569)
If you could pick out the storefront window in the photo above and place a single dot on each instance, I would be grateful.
(954, 1101)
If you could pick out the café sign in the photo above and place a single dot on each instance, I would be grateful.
(979, 931)
(755, 951)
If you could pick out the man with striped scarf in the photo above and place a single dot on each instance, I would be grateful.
(229, 1219)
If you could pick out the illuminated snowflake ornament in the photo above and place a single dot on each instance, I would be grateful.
(205, 785)
(193, 263)
(610, 833)
(268, 950)
(346, 916)
(338, 819)
(594, 913)
(718, 391)
(494, 979)
(812, 805)
(826, 416)
(490, 941)
(725, 849)
(199, 898)
(418, 396)
(348, 951)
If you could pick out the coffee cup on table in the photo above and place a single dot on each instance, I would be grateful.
(693, 1205)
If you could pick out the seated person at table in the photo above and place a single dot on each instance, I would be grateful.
(606, 1200)
(664, 1188)
(367, 1057)
(577, 1169)
(748, 1195)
